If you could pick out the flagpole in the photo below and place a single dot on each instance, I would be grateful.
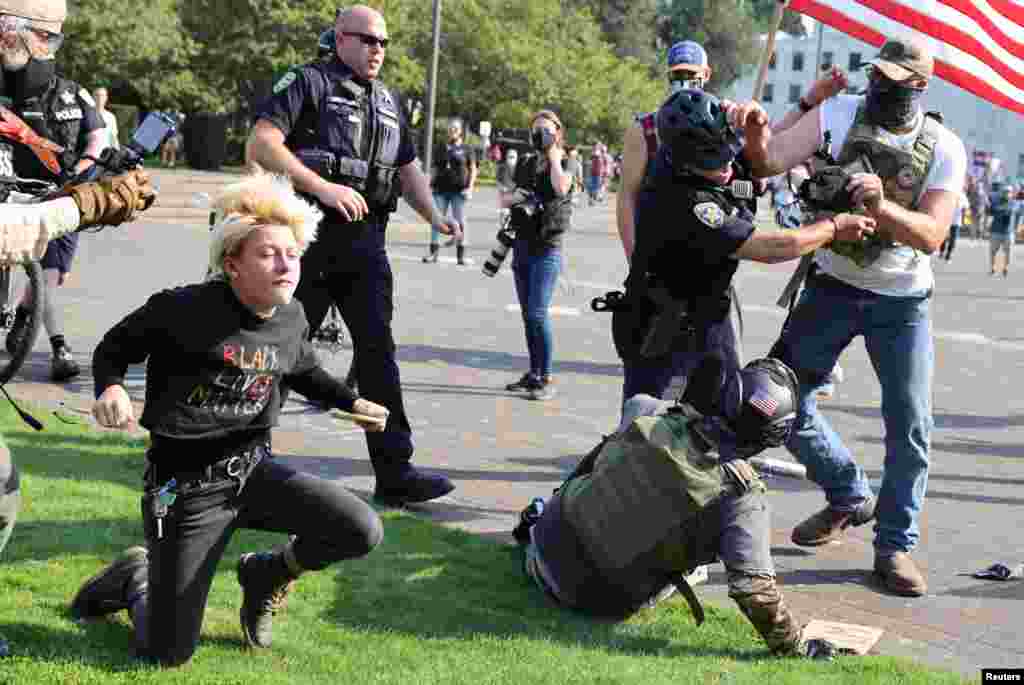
(769, 49)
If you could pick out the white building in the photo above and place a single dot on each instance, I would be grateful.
(981, 125)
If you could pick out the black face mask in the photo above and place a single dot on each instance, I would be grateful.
(891, 105)
(30, 81)
(542, 139)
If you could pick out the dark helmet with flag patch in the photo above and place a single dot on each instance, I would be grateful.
(694, 131)
(761, 405)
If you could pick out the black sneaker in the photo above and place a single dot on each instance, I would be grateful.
(265, 587)
(526, 383)
(412, 487)
(63, 366)
(113, 588)
(17, 336)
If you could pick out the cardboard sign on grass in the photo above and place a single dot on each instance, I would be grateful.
(845, 636)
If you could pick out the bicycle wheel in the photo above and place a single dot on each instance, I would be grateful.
(13, 280)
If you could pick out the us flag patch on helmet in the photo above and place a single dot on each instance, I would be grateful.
(764, 403)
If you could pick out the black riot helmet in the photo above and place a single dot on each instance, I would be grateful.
(325, 46)
(693, 129)
(765, 396)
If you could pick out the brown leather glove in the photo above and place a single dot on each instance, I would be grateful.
(113, 201)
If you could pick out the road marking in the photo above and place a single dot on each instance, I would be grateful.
(554, 311)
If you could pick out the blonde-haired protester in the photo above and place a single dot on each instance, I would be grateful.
(542, 182)
(216, 354)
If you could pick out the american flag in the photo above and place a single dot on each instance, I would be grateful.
(977, 44)
(764, 403)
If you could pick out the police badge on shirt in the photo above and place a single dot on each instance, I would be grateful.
(709, 214)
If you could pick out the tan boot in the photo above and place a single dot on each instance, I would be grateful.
(899, 574)
(828, 524)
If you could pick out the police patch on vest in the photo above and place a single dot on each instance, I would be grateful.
(285, 81)
(68, 114)
(67, 97)
(905, 177)
(710, 214)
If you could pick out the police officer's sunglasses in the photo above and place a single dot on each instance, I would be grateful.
(10, 23)
(367, 39)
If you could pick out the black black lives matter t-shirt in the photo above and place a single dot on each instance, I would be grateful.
(214, 368)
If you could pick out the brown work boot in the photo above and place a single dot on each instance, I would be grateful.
(899, 574)
(828, 524)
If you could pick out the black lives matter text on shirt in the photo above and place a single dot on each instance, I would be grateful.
(213, 367)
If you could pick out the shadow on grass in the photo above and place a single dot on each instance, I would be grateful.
(439, 583)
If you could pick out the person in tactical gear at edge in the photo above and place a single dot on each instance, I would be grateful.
(912, 169)
(61, 111)
(610, 542)
(335, 130)
(692, 231)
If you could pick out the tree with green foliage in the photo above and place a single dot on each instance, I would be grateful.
(726, 30)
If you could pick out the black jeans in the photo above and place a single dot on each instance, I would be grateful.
(331, 524)
(357, 277)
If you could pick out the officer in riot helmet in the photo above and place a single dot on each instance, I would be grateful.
(612, 556)
(340, 134)
(693, 226)
(57, 109)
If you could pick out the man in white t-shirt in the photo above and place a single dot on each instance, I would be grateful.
(102, 96)
(879, 289)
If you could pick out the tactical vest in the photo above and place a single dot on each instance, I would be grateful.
(351, 137)
(57, 116)
(903, 174)
(645, 514)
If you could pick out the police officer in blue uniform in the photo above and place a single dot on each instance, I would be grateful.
(693, 225)
(340, 135)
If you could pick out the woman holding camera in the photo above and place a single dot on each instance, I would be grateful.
(541, 212)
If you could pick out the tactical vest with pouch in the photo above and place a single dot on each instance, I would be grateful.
(903, 175)
(643, 517)
(57, 116)
(351, 135)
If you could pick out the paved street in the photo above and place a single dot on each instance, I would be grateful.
(460, 341)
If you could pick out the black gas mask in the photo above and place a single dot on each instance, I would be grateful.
(890, 103)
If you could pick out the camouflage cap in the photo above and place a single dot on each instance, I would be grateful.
(48, 15)
(901, 58)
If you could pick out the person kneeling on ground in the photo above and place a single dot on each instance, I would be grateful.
(668, 493)
(212, 396)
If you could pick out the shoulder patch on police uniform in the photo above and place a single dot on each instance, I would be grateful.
(84, 94)
(285, 81)
(710, 214)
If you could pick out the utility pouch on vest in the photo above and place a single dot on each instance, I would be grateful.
(352, 173)
(322, 162)
(382, 189)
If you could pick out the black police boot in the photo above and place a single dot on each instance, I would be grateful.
(266, 579)
(431, 256)
(410, 486)
(19, 330)
(114, 588)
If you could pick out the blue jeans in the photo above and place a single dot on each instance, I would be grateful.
(456, 202)
(536, 276)
(898, 336)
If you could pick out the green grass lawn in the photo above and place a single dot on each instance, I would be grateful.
(430, 605)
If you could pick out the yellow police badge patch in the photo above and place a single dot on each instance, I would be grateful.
(285, 81)
(710, 214)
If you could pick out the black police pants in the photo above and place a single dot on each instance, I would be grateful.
(358, 279)
(331, 524)
(654, 375)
